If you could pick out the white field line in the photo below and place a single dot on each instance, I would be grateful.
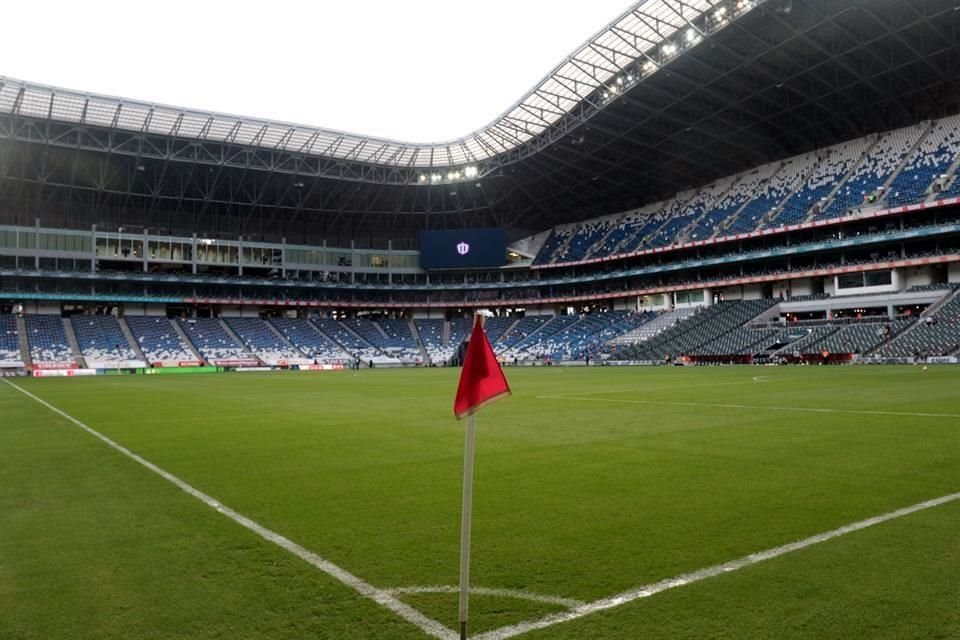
(708, 572)
(754, 406)
(519, 594)
(383, 598)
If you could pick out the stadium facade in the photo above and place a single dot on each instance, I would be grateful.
(736, 180)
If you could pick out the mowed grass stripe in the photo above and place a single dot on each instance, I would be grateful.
(94, 547)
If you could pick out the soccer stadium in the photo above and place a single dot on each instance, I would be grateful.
(712, 256)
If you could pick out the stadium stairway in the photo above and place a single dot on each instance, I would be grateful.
(829, 198)
(504, 329)
(948, 295)
(815, 334)
(940, 338)
(338, 332)
(233, 335)
(294, 348)
(187, 342)
(885, 189)
(131, 341)
(22, 342)
(651, 329)
(445, 334)
(796, 188)
(424, 356)
(726, 186)
(732, 223)
(952, 182)
(72, 341)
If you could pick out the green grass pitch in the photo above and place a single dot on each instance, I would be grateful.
(589, 483)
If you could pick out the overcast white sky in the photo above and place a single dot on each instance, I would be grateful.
(413, 70)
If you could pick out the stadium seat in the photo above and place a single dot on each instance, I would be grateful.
(212, 341)
(935, 155)
(48, 340)
(157, 339)
(9, 340)
(263, 341)
(101, 340)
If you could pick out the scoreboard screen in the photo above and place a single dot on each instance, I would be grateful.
(463, 249)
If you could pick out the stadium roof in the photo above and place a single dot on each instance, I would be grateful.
(606, 61)
(672, 94)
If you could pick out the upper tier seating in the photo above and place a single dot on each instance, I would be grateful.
(639, 225)
(48, 340)
(9, 341)
(557, 238)
(834, 164)
(305, 337)
(100, 339)
(732, 201)
(678, 214)
(932, 158)
(793, 191)
(953, 189)
(262, 341)
(158, 340)
(873, 172)
(771, 194)
(212, 341)
(584, 238)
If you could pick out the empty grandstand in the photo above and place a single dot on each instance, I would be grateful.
(103, 343)
(214, 343)
(10, 356)
(159, 342)
(49, 346)
(678, 236)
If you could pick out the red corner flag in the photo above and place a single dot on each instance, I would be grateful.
(482, 380)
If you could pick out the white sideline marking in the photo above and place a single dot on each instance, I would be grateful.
(755, 406)
(381, 597)
(519, 594)
(708, 572)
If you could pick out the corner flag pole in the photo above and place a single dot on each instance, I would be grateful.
(481, 382)
(465, 520)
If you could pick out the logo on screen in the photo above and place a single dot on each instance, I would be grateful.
(463, 248)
